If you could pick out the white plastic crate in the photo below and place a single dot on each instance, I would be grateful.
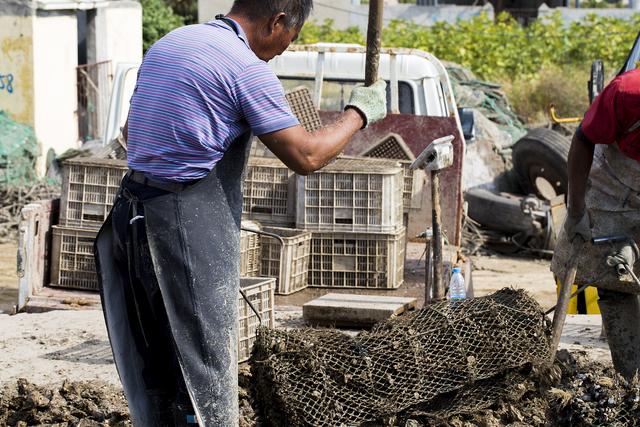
(289, 263)
(352, 194)
(250, 250)
(72, 262)
(268, 193)
(89, 188)
(393, 146)
(260, 291)
(357, 260)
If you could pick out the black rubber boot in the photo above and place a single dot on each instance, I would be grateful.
(621, 320)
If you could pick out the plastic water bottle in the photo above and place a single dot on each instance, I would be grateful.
(457, 289)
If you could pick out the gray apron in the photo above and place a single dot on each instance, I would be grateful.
(613, 203)
(194, 242)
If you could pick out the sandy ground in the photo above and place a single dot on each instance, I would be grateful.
(47, 348)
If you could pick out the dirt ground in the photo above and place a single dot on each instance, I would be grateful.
(54, 348)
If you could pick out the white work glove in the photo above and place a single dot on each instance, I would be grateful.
(576, 226)
(370, 102)
(628, 254)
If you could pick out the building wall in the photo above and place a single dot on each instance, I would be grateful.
(16, 66)
(111, 42)
(54, 62)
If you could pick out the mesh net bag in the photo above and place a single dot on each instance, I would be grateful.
(321, 377)
(18, 152)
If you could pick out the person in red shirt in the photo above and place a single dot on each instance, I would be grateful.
(604, 200)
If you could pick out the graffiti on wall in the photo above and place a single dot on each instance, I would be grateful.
(6, 83)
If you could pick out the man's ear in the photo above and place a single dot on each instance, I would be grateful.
(277, 20)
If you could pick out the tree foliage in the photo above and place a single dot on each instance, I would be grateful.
(502, 49)
(157, 20)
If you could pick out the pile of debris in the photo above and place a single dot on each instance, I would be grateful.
(91, 403)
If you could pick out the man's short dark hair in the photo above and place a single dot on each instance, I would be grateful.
(296, 11)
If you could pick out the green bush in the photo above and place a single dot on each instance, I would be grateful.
(547, 61)
(157, 20)
(495, 49)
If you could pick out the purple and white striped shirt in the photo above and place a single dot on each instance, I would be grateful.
(198, 89)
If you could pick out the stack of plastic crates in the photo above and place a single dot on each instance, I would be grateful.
(259, 291)
(268, 192)
(286, 260)
(393, 146)
(250, 250)
(354, 208)
(89, 187)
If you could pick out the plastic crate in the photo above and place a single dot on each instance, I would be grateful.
(89, 187)
(357, 260)
(250, 250)
(260, 291)
(302, 106)
(72, 262)
(288, 263)
(268, 194)
(352, 194)
(393, 146)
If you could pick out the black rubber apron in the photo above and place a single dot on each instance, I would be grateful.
(194, 242)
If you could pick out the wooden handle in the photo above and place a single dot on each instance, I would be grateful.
(374, 42)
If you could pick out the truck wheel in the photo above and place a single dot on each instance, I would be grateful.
(540, 162)
(497, 211)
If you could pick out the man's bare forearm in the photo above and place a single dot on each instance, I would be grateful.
(329, 141)
(579, 166)
(306, 152)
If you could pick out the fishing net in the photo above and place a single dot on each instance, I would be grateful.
(430, 361)
(18, 152)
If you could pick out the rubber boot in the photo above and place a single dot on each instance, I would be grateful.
(621, 320)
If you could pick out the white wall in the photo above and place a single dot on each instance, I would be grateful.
(118, 33)
(16, 66)
(55, 92)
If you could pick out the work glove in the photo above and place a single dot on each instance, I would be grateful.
(628, 254)
(576, 226)
(370, 102)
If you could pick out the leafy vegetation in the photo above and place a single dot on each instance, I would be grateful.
(503, 48)
(546, 62)
(157, 20)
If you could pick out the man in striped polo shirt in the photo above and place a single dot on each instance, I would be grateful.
(168, 256)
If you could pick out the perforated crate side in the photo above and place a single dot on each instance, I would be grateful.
(89, 188)
(357, 260)
(360, 200)
(260, 291)
(289, 264)
(302, 106)
(72, 262)
(268, 192)
(249, 252)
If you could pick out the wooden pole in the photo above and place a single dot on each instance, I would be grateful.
(436, 218)
(374, 42)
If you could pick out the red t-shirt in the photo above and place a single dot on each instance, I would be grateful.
(614, 112)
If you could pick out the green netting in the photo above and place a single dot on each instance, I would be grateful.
(18, 152)
(486, 97)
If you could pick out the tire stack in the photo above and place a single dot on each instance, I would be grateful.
(520, 218)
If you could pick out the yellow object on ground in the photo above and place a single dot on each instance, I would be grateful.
(590, 298)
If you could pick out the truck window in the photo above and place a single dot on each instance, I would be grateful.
(335, 93)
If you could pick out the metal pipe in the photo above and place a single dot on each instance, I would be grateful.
(436, 214)
(374, 42)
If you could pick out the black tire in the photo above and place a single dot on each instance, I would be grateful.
(496, 211)
(540, 162)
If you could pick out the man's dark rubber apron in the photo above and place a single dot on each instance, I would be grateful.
(194, 242)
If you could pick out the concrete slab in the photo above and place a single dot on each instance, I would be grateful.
(351, 310)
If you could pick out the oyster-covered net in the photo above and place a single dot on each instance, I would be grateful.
(411, 363)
